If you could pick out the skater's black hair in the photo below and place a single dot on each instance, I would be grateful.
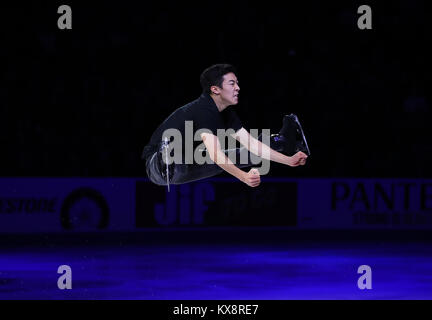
(213, 76)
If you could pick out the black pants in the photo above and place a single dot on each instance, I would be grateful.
(183, 173)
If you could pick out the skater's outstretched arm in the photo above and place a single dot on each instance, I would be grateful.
(251, 178)
(264, 151)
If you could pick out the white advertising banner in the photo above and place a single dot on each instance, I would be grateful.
(60, 204)
(365, 203)
(123, 204)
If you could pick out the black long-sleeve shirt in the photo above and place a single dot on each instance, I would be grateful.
(204, 114)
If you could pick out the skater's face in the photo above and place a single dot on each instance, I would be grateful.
(229, 92)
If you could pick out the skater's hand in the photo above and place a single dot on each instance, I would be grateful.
(252, 178)
(299, 159)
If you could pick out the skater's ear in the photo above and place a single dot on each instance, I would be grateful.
(215, 90)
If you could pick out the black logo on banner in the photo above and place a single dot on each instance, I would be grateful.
(28, 205)
(392, 203)
(215, 203)
(84, 208)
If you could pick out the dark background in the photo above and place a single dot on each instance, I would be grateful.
(84, 102)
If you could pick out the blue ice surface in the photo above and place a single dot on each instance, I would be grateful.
(254, 266)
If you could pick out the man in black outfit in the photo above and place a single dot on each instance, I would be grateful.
(211, 112)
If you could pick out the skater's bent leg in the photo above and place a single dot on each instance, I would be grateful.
(179, 173)
(184, 173)
(153, 170)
